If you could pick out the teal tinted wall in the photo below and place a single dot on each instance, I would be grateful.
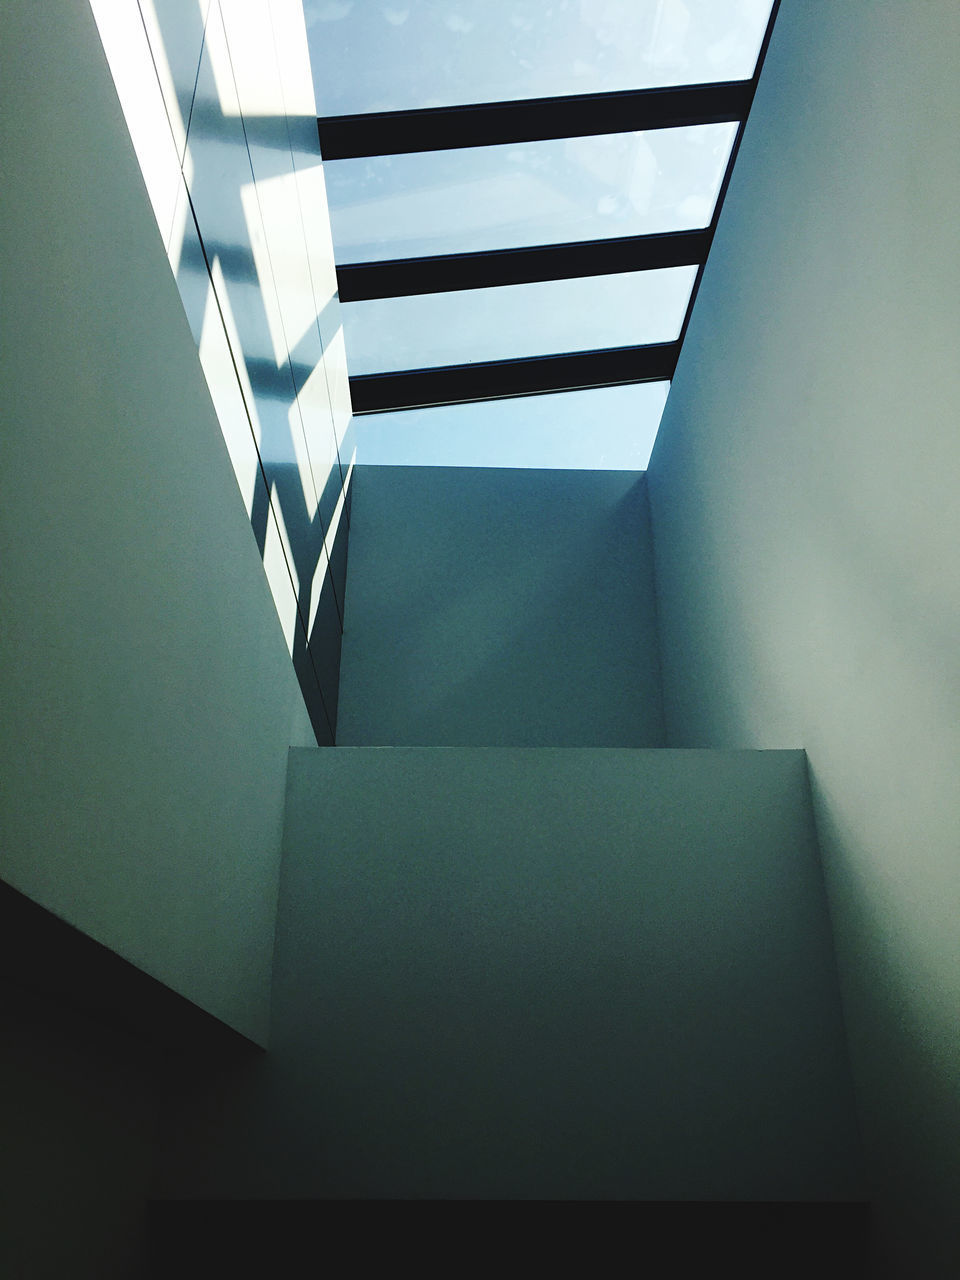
(534, 974)
(499, 607)
(806, 522)
(148, 694)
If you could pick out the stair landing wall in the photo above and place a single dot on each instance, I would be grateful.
(549, 973)
(490, 607)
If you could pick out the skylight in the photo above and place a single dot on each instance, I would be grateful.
(523, 194)
(478, 198)
(398, 55)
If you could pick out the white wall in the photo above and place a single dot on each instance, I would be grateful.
(806, 523)
(541, 973)
(148, 695)
(492, 607)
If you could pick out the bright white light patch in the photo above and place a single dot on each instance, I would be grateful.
(278, 563)
(231, 403)
(131, 65)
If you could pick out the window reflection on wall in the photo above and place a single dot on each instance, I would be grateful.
(228, 149)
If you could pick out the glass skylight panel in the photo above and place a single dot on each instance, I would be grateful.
(405, 54)
(602, 429)
(505, 197)
(514, 321)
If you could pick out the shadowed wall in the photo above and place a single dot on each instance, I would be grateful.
(499, 607)
(806, 522)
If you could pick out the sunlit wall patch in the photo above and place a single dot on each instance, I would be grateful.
(232, 395)
(338, 381)
(310, 414)
(144, 106)
(278, 564)
(321, 578)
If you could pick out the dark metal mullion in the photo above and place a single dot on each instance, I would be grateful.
(533, 120)
(498, 379)
(402, 277)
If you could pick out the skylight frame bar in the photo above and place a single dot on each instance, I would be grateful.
(502, 379)
(448, 273)
(487, 124)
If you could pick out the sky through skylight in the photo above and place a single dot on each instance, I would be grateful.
(478, 200)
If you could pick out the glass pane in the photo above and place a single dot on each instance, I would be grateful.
(402, 55)
(516, 320)
(477, 198)
(608, 429)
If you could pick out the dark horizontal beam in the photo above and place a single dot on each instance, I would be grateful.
(498, 379)
(400, 277)
(379, 133)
